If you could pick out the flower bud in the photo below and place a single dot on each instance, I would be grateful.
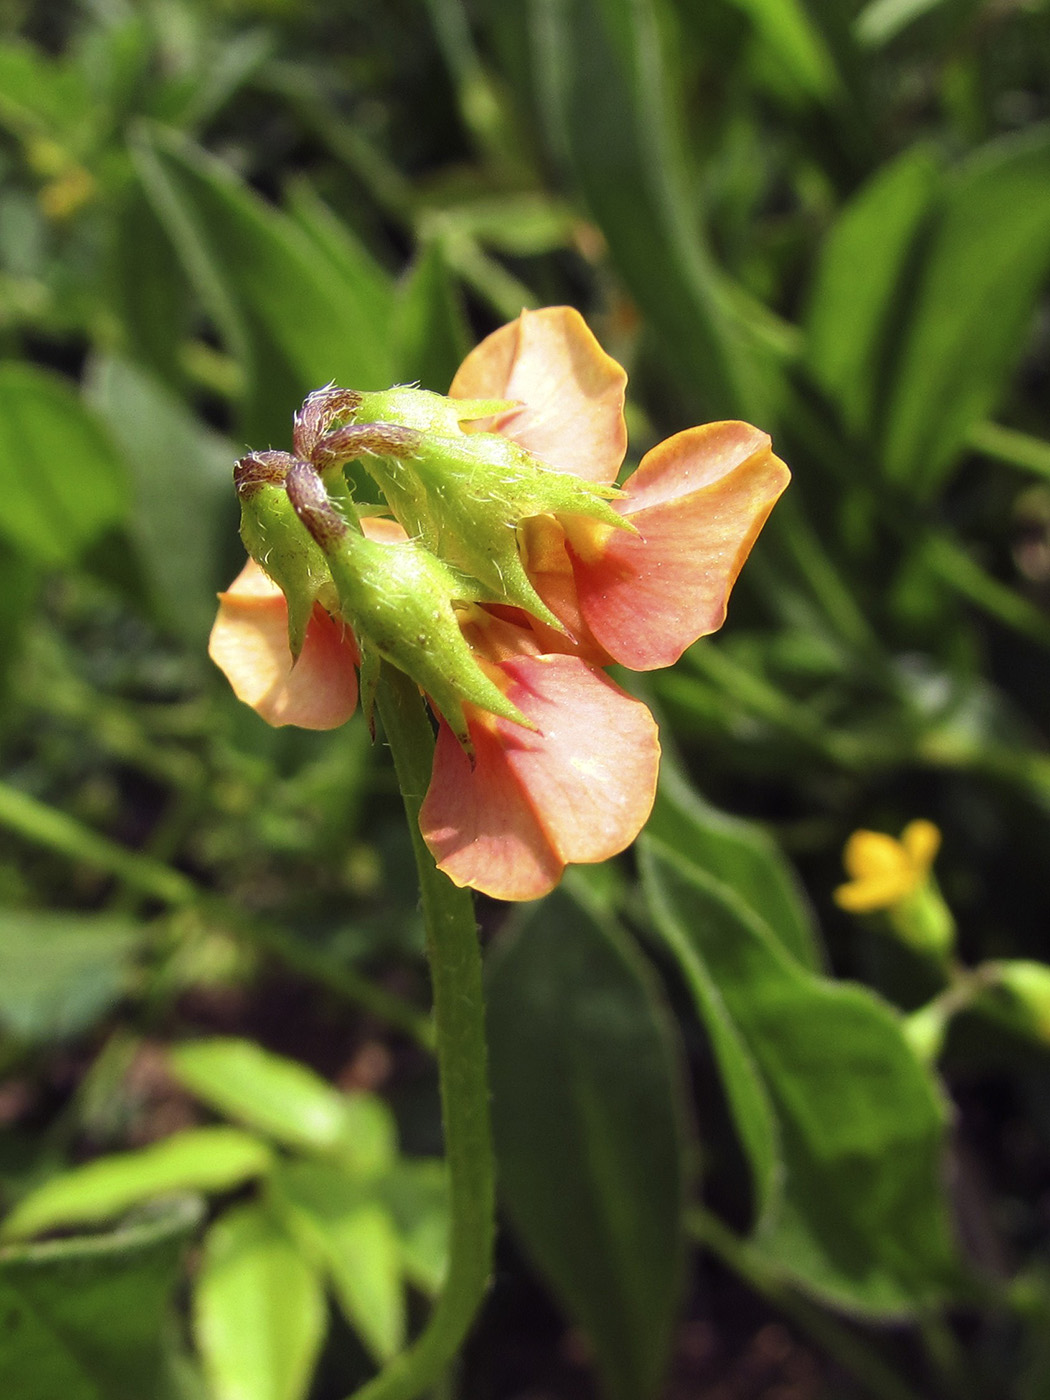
(464, 495)
(402, 601)
(276, 540)
(1026, 1003)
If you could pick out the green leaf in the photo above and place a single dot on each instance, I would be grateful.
(415, 1191)
(745, 1091)
(858, 280)
(604, 74)
(60, 973)
(741, 855)
(259, 1310)
(39, 94)
(863, 1222)
(587, 1113)
(253, 266)
(795, 43)
(986, 259)
(287, 1101)
(182, 476)
(148, 289)
(86, 1319)
(431, 336)
(199, 1159)
(61, 480)
(346, 1226)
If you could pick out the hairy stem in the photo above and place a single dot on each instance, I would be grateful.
(459, 1024)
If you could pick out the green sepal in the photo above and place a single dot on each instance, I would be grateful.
(469, 409)
(464, 495)
(402, 602)
(368, 681)
(275, 538)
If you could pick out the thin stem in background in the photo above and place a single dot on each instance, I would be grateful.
(834, 1338)
(57, 831)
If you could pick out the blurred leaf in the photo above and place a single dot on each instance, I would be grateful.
(86, 1319)
(182, 473)
(882, 20)
(415, 1191)
(431, 335)
(287, 1101)
(741, 855)
(233, 59)
(986, 259)
(315, 304)
(19, 585)
(604, 87)
(60, 973)
(858, 281)
(355, 271)
(863, 1223)
(587, 1107)
(40, 94)
(345, 1225)
(199, 1159)
(259, 1310)
(61, 481)
(795, 43)
(148, 289)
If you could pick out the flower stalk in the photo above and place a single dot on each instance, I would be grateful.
(459, 1023)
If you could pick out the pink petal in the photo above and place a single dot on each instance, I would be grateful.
(698, 501)
(249, 644)
(571, 391)
(578, 791)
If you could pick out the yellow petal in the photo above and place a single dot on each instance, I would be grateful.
(922, 840)
(872, 854)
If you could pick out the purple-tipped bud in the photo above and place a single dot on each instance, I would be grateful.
(318, 413)
(260, 469)
(371, 439)
(310, 501)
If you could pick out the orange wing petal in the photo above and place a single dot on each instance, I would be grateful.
(249, 644)
(570, 390)
(578, 791)
(698, 502)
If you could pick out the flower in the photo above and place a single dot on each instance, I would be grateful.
(563, 768)
(885, 872)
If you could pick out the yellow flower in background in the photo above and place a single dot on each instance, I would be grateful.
(885, 872)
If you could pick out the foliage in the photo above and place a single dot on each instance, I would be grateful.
(830, 218)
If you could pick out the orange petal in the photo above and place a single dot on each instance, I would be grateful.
(698, 501)
(571, 391)
(578, 791)
(249, 644)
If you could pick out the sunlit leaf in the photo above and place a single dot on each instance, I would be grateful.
(258, 1308)
(349, 1229)
(286, 1100)
(198, 1159)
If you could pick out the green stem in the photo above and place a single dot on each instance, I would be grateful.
(459, 1019)
(1022, 450)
